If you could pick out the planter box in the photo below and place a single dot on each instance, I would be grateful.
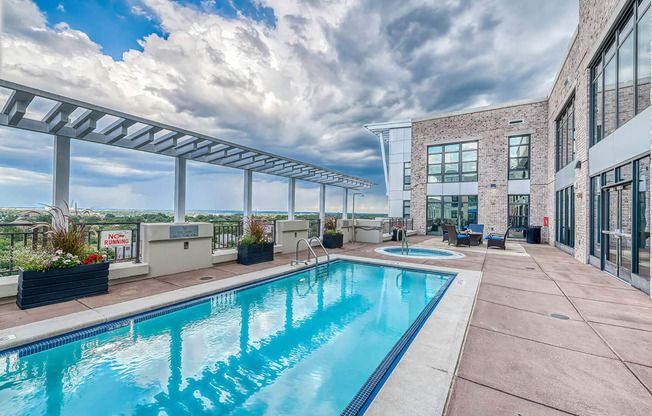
(333, 241)
(38, 288)
(396, 236)
(255, 253)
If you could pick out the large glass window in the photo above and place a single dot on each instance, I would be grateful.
(519, 157)
(621, 77)
(456, 210)
(565, 216)
(519, 215)
(453, 163)
(566, 135)
(406, 209)
(643, 217)
(407, 175)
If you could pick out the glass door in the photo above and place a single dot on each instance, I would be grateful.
(617, 230)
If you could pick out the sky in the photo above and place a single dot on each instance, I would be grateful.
(298, 78)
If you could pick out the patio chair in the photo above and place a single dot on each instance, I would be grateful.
(496, 240)
(444, 230)
(456, 238)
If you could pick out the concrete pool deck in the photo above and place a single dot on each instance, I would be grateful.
(516, 359)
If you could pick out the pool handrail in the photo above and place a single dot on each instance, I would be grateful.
(328, 257)
(310, 250)
(404, 241)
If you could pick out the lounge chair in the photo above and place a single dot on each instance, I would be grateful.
(444, 230)
(496, 240)
(456, 238)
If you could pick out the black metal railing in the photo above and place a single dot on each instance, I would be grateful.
(119, 254)
(227, 233)
(389, 223)
(313, 228)
(26, 234)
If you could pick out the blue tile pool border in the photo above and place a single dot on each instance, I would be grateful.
(374, 383)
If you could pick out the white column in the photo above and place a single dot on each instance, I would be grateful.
(248, 183)
(382, 153)
(345, 203)
(322, 208)
(179, 189)
(291, 198)
(61, 172)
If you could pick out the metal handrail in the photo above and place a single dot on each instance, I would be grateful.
(404, 241)
(310, 250)
(328, 257)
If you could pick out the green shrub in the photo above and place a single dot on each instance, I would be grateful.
(28, 259)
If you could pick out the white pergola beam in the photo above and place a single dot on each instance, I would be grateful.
(248, 194)
(292, 201)
(322, 209)
(16, 106)
(58, 116)
(61, 172)
(86, 123)
(179, 189)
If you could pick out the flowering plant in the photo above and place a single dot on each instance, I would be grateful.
(330, 226)
(63, 260)
(93, 259)
(397, 228)
(257, 232)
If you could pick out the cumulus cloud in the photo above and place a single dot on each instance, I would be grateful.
(303, 86)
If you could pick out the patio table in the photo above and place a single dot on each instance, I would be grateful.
(476, 238)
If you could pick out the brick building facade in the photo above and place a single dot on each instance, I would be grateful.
(587, 163)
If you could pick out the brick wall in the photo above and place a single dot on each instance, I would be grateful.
(491, 128)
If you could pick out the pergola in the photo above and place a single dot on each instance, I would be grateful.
(69, 118)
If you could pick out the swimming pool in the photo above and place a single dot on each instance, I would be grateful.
(420, 253)
(292, 345)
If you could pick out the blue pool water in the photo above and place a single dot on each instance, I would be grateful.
(421, 252)
(298, 345)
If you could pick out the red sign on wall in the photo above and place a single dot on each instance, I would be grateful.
(545, 221)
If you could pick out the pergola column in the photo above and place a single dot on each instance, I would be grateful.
(248, 184)
(322, 208)
(291, 198)
(61, 172)
(179, 189)
(345, 203)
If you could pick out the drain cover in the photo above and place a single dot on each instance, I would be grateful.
(206, 278)
(530, 268)
(559, 316)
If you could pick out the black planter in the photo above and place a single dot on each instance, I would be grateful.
(255, 253)
(396, 236)
(333, 241)
(38, 288)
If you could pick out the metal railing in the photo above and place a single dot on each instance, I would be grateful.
(388, 223)
(227, 233)
(26, 234)
(313, 228)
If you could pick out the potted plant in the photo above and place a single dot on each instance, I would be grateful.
(63, 268)
(397, 234)
(255, 246)
(332, 237)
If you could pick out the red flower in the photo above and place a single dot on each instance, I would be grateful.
(95, 258)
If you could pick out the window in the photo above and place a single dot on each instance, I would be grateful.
(407, 175)
(519, 157)
(456, 210)
(406, 209)
(453, 163)
(620, 86)
(565, 153)
(565, 216)
(519, 213)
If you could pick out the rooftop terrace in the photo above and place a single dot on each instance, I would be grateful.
(517, 358)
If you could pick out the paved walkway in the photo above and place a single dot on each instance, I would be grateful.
(518, 360)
